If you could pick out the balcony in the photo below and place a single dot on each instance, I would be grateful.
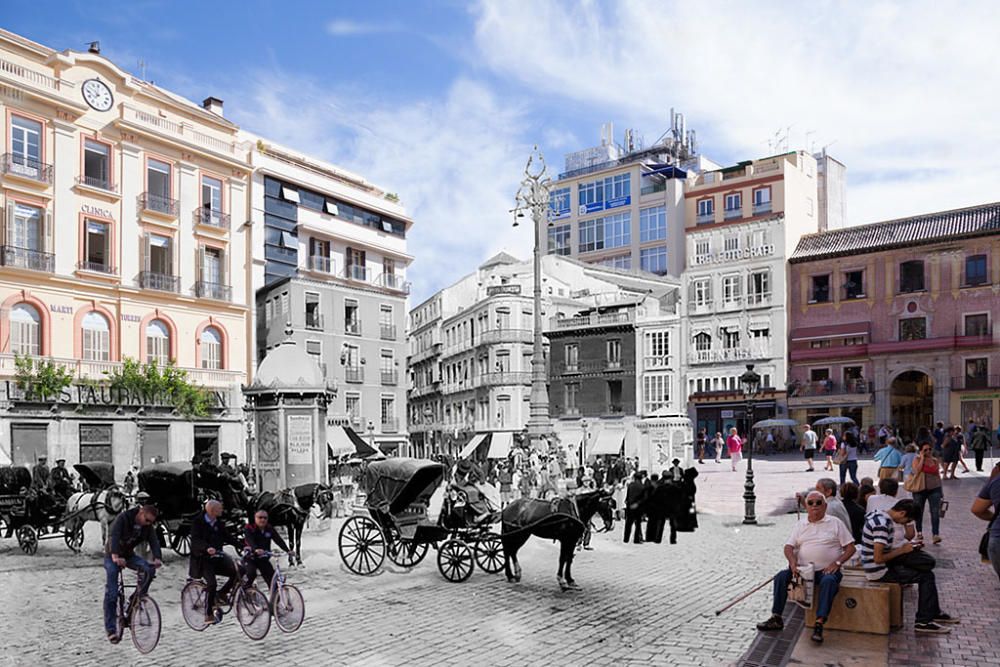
(593, 320)
(596, 366)
(390, 378)
(314, 321)
(217, 291)
(97, 183)
(653, 189)
(620, 409)
(154, 203)
(733, 213)
(211, 218)
(98, 370)
(505, 336)
(760, 208)
(705, 218)
(506, 378)
(424, 390)
(26, 258)
(730, 354)
(929, 344)
(967, 382)
(829, 388)
(97, 267)
(832, 352)
(432, 351)
(390, 425)
(755, 299)
(178, 131)
(320, 264)
(393, 282)
(28, 168)
(387, 331)
(353, 328)
(354, 374)
(657, 362)
(357, 273)
(164, 282)
(568, 411)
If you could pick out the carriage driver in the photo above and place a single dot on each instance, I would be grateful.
(130, 529)
(60, 481)
(257, 538)
(208, 536)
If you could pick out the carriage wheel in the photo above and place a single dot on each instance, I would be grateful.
(74, 538)
(455, 561)
(489, 553)
(27, 539)
(362, 545)
(193, 602)
(181, 544)
(407, 553)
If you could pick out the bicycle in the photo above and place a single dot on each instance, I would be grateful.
(141, 615)
(253, 611)
(287, 604)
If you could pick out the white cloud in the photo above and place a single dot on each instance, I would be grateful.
(906, 90)
(346, 27)
(455, 162)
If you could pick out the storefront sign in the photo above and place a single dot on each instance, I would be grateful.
(299, 435)
(735, 255)
(493, 290)
(61, 309)
(97, 212)
(727, 414)
(98, 395)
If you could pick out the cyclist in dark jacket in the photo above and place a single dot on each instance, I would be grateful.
(130, 529)
(257, 542)
(208, 536)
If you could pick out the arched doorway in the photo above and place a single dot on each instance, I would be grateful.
(911, 402)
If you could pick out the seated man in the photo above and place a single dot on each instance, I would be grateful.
(905, 564)
(885, 500)
(208, 536)
(478, 507)
(834, 506)
(820, 540)
(257, 540)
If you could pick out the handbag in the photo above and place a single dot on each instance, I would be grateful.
(840, 457)
(915, 482)
(800, 587)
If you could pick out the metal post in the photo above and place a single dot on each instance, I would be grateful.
(749, 497)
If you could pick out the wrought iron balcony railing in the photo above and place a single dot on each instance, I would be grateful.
(27, 258)
(217, 291)
(16, 164)
(159, 281)
(155, 203)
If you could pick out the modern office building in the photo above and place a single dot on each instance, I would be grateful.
(329, 255)
(122, 238)
(743, 222)
(895, 322)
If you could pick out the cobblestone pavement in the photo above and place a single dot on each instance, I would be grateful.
(648, 604)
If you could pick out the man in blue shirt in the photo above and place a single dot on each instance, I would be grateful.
(890, 459)
(987, 506)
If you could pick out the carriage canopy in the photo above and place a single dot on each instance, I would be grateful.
(394, 484)
(170, 487)
(99, 475)
(13, 479)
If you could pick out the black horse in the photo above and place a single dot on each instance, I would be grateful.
(562, 519)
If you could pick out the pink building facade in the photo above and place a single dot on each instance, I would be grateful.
(895, 322)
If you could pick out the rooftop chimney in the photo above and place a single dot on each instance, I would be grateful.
(94, 47)
(213, 104)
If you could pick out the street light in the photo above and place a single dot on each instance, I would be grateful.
(751, 386)
(533, 197)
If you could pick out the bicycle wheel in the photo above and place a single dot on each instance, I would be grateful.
(288, 607)
(144, 624)
(193, 600)
(489, 553)
(253, 612)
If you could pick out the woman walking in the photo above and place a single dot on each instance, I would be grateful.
(735, 445)
(848, 456)
(718, 443)
(829, 448)
(931, 494)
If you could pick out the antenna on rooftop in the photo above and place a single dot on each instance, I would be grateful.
(142, 68)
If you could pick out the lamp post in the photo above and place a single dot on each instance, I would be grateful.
(751, 385)
(533, 197)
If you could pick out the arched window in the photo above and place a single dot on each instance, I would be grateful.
(96, 337)
(158, 343)
(211, 349)
(25, 330)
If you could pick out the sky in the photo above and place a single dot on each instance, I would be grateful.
(441, 102)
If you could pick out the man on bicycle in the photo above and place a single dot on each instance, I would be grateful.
(130, 529)
(257, 540)
(208, 536)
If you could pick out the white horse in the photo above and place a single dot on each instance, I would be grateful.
(102, 507)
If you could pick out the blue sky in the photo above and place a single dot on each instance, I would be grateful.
(441, 101)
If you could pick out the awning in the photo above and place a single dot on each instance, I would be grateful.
(667, 170)
(361, 448)
(608, 442)
(338, 441)
(470, 446)
(571, 437)
(500, 445)
(832, 331)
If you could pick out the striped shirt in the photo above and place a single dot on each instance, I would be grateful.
(878, 530)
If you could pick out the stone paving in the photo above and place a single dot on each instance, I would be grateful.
(648, 604)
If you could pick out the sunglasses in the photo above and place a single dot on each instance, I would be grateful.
(814, 503)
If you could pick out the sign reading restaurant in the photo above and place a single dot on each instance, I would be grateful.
(735, 255)
(98, 395)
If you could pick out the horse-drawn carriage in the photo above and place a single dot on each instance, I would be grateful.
(394, 523)
(34, 514)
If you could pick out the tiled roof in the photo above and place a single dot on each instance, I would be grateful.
(919, 230)
(500, 258)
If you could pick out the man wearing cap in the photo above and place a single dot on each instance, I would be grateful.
(40, 474)
(60, 481)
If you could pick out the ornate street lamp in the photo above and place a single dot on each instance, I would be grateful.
(533, 197)
(750, 382)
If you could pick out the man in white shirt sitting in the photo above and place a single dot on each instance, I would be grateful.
(827, 544)
(884, 501)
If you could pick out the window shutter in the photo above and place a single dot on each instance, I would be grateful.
(223, 267)
(8, 223)
(200, 263)
(691, 293)
(146, 252)
(50, 236)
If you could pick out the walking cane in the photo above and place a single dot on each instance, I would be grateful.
(744, 596)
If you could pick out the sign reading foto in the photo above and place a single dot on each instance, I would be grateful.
(300, 440)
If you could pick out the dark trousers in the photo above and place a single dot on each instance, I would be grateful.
(927, 595)
(980, 453)
(633, 518)
(824, 590)
(848, 467)
(654, 528)
(263, 565)
(147, 571)
(213, 567)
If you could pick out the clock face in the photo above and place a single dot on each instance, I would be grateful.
(97, 94)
